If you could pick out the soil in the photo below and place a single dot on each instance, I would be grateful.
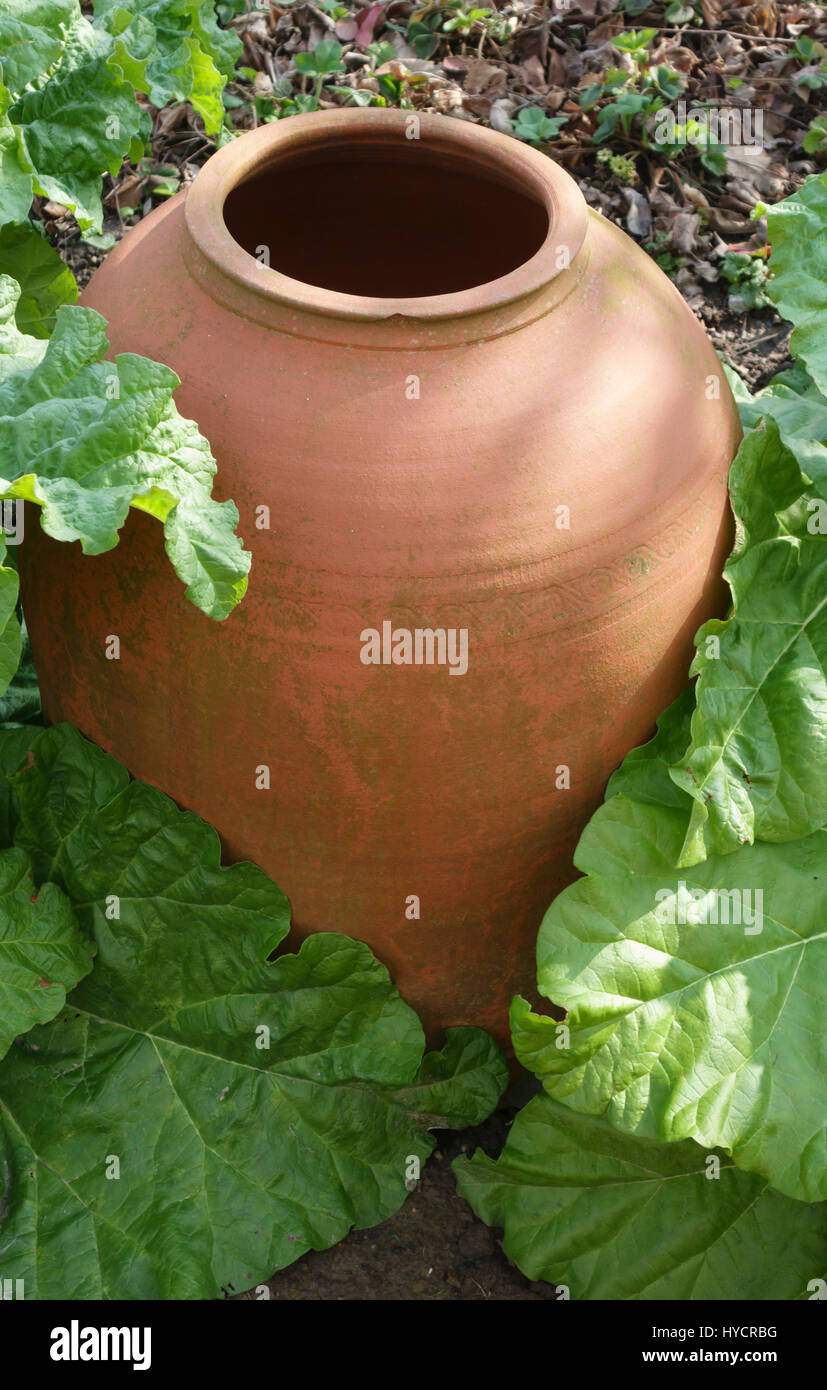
(433, 1249)
(755, 345)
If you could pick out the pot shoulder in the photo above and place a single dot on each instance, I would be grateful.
(610, 414)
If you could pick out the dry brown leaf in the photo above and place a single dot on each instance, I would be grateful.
(638, 213)
(684, 232)
(728, 223)
(696, 196)
(556, 69)
(679, 57)
(263, 84)
(500, 115)
(171, 118)
(447, 99)
(706, 270)
(485, 78)
(689, 287)
(753, 165)
(533, 73)
(127, 192)
(764, 15)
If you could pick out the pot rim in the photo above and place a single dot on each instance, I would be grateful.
(507, 159)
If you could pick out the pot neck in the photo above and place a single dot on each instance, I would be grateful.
(240, 282)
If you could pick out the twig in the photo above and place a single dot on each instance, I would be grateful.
(777, 333)
(322, 17)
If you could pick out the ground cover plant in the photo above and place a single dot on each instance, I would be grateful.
(241, 1112)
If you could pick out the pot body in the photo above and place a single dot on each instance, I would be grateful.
(546, 474)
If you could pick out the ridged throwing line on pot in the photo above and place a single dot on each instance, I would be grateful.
(538, 460)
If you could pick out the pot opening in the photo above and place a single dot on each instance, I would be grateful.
(372, 220)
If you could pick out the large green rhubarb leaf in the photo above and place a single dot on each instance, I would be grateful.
(798, 408)
(74, 118)
(45, 282)
(611, 1216)
(32, 35)
(21, 702)
(797, 232)
(15, 174)
(87, 439)
(199, 1116)
(70, 84)
(42, 951)
(694, 996)
(11, 638)
(756, 766)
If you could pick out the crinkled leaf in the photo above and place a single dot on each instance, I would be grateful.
(612, 1216)
(16, 187)
(610, 842)
(257, 1109)
(779, 491)
(10, 635)
(15, 743)
(45, 282)
(756, 766)
(87, 439)
(21, 702)
(459, 1080)
(32, 34)
(223, 45)
(798, 408)
(18, 351)
(799, 283)
(78, 124)
(173, 50)
(42, 951)
(72, 82)
(682, 1028)
(644, 772)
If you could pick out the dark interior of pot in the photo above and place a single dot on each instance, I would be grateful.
(377, 222)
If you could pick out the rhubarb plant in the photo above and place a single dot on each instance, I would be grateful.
(234, 1111)
(678, 1148)
(83, 438)
(42, 950)
(68, 112)
(694, 997)
(86, 439)
(608, 1215)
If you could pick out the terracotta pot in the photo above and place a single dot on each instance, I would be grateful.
(470, 404)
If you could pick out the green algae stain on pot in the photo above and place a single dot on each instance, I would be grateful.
(537, 388)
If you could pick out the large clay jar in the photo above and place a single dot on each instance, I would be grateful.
(469, 403)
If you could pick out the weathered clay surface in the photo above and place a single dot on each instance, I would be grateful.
(417, 455)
